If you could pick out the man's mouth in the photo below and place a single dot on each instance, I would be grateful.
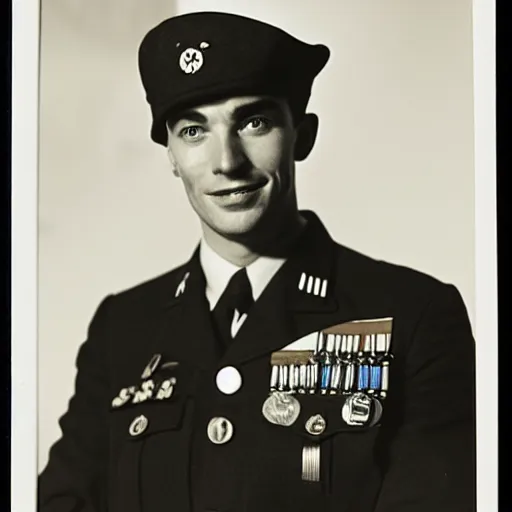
(239, 190)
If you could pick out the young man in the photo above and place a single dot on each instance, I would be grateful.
(276, 370)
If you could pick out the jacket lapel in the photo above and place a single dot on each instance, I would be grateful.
(293, 304)
(184, 328)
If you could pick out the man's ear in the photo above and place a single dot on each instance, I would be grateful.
(306, 136)
(172, 161)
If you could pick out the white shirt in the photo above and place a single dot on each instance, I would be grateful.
(219, 271)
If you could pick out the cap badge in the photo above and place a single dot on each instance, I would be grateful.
(191, 61)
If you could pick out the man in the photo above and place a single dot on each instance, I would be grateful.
(276, 370)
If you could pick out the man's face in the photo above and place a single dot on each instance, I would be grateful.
(236, 160)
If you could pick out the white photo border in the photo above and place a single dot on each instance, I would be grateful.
(25, 101)
(486, 328)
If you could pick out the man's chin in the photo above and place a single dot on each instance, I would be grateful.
(240, 226)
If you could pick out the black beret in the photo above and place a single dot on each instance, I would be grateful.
(199, 57)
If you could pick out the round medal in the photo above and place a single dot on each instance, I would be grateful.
(316, 425)
(281, 409)
(356, 409)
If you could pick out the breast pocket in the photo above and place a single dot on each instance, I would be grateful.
(316, 460)
(151, 465)
(338, 436)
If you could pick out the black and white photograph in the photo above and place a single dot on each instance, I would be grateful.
(256, 256)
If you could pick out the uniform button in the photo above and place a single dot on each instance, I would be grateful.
(220, 430)
(138, 425)
(229, 380)
(316, 425)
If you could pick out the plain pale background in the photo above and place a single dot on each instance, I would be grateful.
(391, 175)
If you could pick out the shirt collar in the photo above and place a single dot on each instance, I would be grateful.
(219, 271)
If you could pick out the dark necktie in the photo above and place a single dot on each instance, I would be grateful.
(237, 295)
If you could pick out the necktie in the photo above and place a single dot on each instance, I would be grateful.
(236, 296)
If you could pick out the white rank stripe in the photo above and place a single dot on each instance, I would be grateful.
(316, 290)
(313, 285)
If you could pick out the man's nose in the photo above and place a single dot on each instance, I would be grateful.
(231, 157)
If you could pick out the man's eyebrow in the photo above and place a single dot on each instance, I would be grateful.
(256, 107)
(188, 115)
(238, 113)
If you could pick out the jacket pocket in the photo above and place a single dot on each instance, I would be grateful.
(151, 466)
(338, 436)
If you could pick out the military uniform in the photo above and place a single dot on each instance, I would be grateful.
(418, 457)
(349, 387)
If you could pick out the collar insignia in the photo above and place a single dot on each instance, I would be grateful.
(313, 285)
(182, 285)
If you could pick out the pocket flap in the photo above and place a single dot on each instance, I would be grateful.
(150, 418)
(322, 416)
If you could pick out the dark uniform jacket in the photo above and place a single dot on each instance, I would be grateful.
(418, 458)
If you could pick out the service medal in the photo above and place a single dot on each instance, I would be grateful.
(281, 409)
(356, 410)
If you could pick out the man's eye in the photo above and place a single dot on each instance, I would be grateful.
(192, 133)
(256, 125)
